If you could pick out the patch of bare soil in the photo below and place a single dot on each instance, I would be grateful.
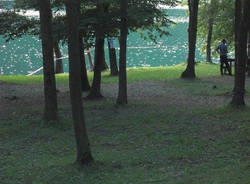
(18, 98)
(164, 93)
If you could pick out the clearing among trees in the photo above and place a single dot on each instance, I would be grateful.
(171, 131)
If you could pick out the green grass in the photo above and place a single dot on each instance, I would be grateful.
(131, 146)
(134, 74)
(139, 143)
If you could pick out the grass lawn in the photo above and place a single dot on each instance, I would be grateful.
(181, 132)
(134, 74)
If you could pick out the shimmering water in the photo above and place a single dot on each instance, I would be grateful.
(23, 55)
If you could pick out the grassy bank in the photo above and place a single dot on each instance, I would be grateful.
(134, 74)
(150, 140)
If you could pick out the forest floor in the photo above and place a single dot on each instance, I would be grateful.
(172, 131)
(205, 91)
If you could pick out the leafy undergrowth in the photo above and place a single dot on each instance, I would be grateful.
(138, 143)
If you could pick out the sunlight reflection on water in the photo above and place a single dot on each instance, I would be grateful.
(24, 54)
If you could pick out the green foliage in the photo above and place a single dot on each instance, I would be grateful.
(26, 4)
(143, 15)
(100, 18)
(59, 28)
(222, 15)
(147, 17)
(184, 2)
(14, 25)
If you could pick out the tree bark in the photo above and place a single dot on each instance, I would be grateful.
(59, 62)
(113, 61)
(209, 39)
(50, 111)
(248, 54)
(91, 67)
(84, 76)
(241, 51)
(95, 91)
(237, 14)
(104, 65)
(122, 93)
(82, 143)
(192, 34)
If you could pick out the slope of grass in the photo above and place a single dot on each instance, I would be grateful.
(134, 74)
(134, 144)
(143, 142)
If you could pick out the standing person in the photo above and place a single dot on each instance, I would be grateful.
(222, 50)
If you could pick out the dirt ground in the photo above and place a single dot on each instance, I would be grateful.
(18, 98)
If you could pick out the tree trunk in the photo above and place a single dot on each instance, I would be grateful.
(104, 65)
(84, 76)
(91, 67)
(237, 15)
(95, 91)
(122, 93)
(192, 34)
(209, 38)
(82, 143)
(59, 62)
(112, 60)
(241, 51)
(50, 111)
(248, 54)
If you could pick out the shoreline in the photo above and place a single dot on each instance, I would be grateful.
(181, 65)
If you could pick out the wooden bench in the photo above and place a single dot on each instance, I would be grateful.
(224, 68)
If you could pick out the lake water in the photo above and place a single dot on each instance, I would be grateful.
(23, 55)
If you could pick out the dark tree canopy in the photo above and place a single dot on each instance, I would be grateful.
(143, 15)
(14, 25)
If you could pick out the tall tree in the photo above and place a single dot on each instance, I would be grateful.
(34, 4)
(95, 91)
(212, 9)
(50, 111)
(122, 93)
(208, 11)
(99, 60)
(209, 38)
(91, 66)
(112, 57)
(82, 143)
(248, 54)
(58, 54)
(192, 32)
(84, 76)
(242, 17)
